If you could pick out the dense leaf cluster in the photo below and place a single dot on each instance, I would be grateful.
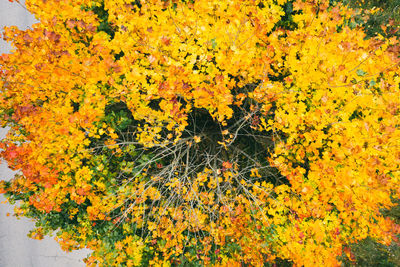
(203, 132)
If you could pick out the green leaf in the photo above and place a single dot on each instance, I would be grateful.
(213, 43)
(361, 72)
(372, 83)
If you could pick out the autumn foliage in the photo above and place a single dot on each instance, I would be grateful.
(202, 132)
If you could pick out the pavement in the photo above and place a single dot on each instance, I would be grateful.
(16, 249)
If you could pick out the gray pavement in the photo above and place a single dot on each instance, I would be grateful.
(16, 249)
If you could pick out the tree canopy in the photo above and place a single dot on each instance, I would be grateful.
(194, 132)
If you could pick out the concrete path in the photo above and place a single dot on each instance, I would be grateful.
(16, 249)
